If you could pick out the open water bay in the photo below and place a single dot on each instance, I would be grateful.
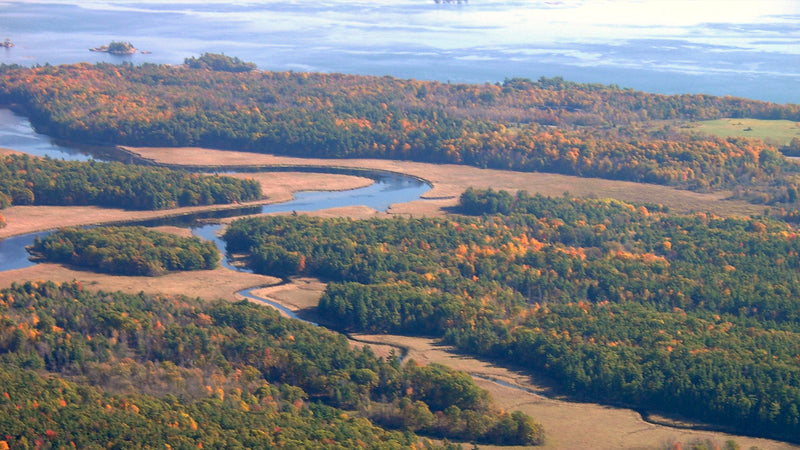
(742, 48)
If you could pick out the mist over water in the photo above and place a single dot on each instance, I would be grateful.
(741, 48)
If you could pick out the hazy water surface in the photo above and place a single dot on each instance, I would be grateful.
(735, 47)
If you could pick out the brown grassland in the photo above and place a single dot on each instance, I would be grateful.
(277, 187)
(569, 425)
(450, 180)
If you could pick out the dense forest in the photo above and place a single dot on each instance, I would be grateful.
(126, 250)
(625, 304)
(549, 125)
(27, 180)
(112, 369)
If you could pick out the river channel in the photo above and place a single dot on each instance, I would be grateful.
(388, 188)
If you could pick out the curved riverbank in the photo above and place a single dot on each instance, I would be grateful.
(448, 181)
(277, 187)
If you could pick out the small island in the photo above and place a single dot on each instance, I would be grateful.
(117, 48)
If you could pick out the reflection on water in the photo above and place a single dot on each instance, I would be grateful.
(16, 133)
(12, 251)
(387, 190)
(248, 293)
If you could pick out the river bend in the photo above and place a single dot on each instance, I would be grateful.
(388, 188)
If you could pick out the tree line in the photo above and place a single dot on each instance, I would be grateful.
(548, 125)
(126, 250)
(620, 303)
(27, 180)
(113, 369)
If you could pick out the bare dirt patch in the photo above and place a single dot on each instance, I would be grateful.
(299, 294)
(177, 231)
(353, 212)
(424, 208)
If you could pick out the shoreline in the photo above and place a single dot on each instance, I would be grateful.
(447, 183)
(21, 220)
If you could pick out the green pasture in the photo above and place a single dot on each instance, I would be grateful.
(779, 132)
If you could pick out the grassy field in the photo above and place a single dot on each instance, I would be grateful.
(779, 132)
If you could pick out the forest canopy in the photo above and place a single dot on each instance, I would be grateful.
(115, 369)
(549, 125)
(126, 250)
(27, 180)
(620, 303)
(220, 62)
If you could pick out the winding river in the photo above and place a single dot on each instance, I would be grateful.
(16, 133)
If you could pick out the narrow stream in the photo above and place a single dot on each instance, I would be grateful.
(248, 293)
